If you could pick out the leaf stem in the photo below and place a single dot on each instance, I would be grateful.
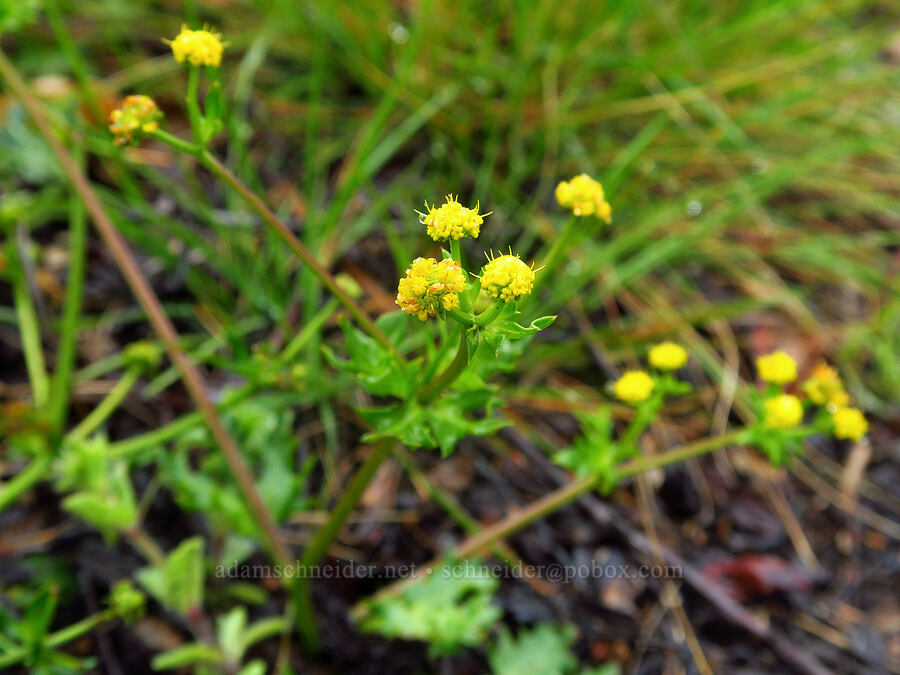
(29, 329)
(65, 356)
(215, 166)
(59, 638)
(107, 406)
(23, 481)
(318, 545)
(445, 379)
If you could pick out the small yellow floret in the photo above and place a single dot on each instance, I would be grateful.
(585, 197)
(634, 386)
(783, 412)
(668, 356)
(198, 47)
(777, 367)
(507, 277)
(430, 286)
(849, 423)
(452, 220)
(135, 114)
(824, 387)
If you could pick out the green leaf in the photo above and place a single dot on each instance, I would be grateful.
(187, 655)
(255, 667)
(406, 422)
(543, 650)
(178, 583)
(263, 629)
(229, 632)
(110, 511)
(449, 608)
(373, 365)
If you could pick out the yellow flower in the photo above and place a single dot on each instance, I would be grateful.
(668, 356)
(585, 197)
(783, 412)
(777, 367)
(452, 220)
(198, 47)
(824, 387)
(135, 114)
(849, 423)
(430, 286)
(507, 277)
(634, 386)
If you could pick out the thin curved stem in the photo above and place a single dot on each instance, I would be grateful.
(161, 323)
(23, 481)
(59, 638)
(445, 379)
(29, 330)
(318, 545)
(107, 406)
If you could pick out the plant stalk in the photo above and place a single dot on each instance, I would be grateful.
(107, 406)
(150, 303)
(318, 546)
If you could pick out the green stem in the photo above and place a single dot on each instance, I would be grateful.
(176, 143)
(131, 446)
(466, 319)
(59, 638)
(456, 254)
(488, 315)
(572, 491)
(318, 546)
(65, 357)
(29, 329)
(643, 464)
(445, 379)
(107, 406)
(160, 321)
(74, 59)
(146, 545)
(193, 106)
(558, 248)
(23, 481)
(215, 166)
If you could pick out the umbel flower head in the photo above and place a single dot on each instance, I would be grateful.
(197, 47)
(849, 423)
(633, 387)
(777, 368)
(782, 412)
(136, 114)
(507, 277)
(430, 286)
(668, 356)
(824, 387)
(452, 220)
(585, 197)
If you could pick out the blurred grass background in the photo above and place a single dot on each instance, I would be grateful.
(748, 150)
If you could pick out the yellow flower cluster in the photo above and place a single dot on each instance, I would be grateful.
(452, 220)
(668, 356)
(135, 114)
(585, 197)
(824, 387)
(782, 412)
(198, 47)
(507, 277)
(634, 387)
(430, 286)
(849, 423)
(777, 368)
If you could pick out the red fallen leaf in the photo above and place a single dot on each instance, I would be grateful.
(751, 576)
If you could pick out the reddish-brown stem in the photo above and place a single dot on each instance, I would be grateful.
(158, 319)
